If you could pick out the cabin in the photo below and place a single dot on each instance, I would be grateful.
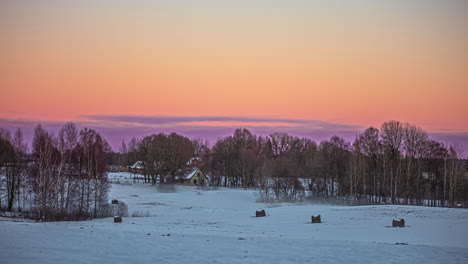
(194, 176)
(137, 167)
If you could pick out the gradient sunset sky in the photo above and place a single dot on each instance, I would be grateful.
(203, 68)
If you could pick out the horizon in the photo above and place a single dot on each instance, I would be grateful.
(115, 132)
(311, 69)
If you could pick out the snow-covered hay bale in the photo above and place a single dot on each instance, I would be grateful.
(398, 223)
(115, 201)
(117, 219)
(260, 213)
(316, 219)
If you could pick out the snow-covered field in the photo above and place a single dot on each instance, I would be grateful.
(190, 225)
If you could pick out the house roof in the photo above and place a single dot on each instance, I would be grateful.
(191, 173)
(138, 165)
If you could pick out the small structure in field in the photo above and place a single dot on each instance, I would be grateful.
(260, 213)
(194, 176)
(398, 223)
(138, 167)
(117, 219)
(115, 201)
(316, 219)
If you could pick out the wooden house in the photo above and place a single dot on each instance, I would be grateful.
(194, 176)
(137, 167)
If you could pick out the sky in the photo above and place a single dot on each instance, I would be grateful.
(203, 68)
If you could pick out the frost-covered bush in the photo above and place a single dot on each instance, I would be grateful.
(141, 214)
(120, 209)
(281, 189)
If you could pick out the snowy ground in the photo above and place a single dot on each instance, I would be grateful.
(218, 226)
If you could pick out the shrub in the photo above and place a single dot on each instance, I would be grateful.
(141, 214)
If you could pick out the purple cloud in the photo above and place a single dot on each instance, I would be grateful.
(162, 119)
(177, 120)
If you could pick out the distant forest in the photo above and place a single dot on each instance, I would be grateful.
(64, 176)
(397, 164)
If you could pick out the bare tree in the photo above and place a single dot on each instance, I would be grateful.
(123, 154)
(414, 145)
(44, 154)
(454, 172)
(67, 145)
(435, 157)
(7, 159)
(335, 157)
(15, 170)
(392, 134)
(357, 170)
(370, 145)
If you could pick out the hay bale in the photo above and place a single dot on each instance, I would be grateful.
(398, 223)
(115, 201)
(117, 219)
(316, 219)
(260, 213)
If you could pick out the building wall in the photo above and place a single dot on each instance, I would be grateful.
(199, 176)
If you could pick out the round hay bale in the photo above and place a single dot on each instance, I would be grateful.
(115, 201)
(117, 219)
(260, 213)
(316, 219)
(398, 223)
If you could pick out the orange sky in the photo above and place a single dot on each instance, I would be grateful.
(361, 63)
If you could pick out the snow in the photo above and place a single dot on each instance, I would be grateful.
(193, 160)
(218, 226)
(138, 165)
(191, 173)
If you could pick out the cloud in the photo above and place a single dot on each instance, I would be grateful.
(447, 138)
(162, 120)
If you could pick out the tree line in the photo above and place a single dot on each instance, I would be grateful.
(63, 177)
(397, 164)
